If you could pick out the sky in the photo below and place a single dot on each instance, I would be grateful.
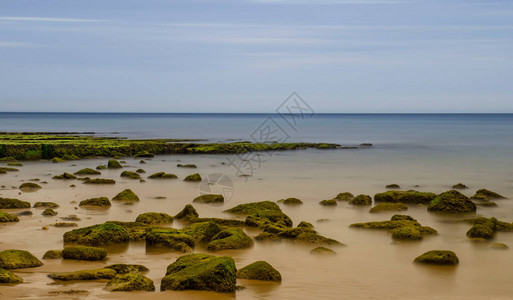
(340, 56)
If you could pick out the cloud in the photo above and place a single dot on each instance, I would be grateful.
(39, 19)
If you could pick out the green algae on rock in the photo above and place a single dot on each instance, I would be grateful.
(486, 195)
(261, 214)
(84, 253)
(128, 268)
(29, 187)
(114, 164)
(153, 218)
(49, 212)
(8, 203)
(322, 251)
(88, 171)
(331, 202)
(407, 197)
(209, 199)
(7, 276)
(101, 202)
(53, 254)
(459, 186)
(290, 201)
(193, 177)
(452, 202)
(65, 224)
(500, 246)
(126, 195)
(438, 257)
(259, 270)
(93, 274)
(45, 205)
(191, 166)
(97, 235)
(187, 213)
(144, 154)
(304, 224)
(384, 207)
(402, 227)
(361, 200)
(230, 238)
(6, 217)
(130, 282)
(18, 259)
(162, 175)
(170, 238)
(99, 181)
(57, 160)
(130, 175)
(201, 272)
(393, 186)
(65, 176)
(346, 196)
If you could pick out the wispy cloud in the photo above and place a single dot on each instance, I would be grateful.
(40, 19)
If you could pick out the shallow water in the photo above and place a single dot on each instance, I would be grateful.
(371, 266)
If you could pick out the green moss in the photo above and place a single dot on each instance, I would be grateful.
(98, 235)
(259, 270)
(100, 181)
(438, 257)
(209, 198)
(459, 186)
(9, 277)
(126, 195)
(84, 253)
(192, 166)
(49, 212)
(331, 202)
(15, 164)
(140, 171)
(361, 200)
(322, 251)
(485, 195)
(452, 202)
(153, 218)
(7, 203)
(18, 259)
(65, 224)
(5, 217)
(231, 238)
(101, 201)
(402, 227)
(53, 254)
(88, 171)
(94, 274)
(481, 231)
(304, 224)
(193, 177)
(131, 175)
(383, 207)
(144, 154)
(261, 214)
(172, 239)
(70, 157)
(162, 175)
(201, 272)
(202, 232)
(65, 176)
(130, 282)
(114, 164)
(407, 197)
(45, 205)
(393, 186)
(101, 167)
(8, 158)
(411, 233)
(127, 268)
(29, 187)
(136, 231)
(187, 213)
(290, 201)
(4, 170)
(57, 160)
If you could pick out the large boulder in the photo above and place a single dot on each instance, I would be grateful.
(438, 257)
(259, 270)
(7, 276)
(452, 202)
(261, 214)
(231, 238)
(84, 253)
(201, 272)
(18, 259)
(130, 282)
(98, 235)
(153, 218)
(407, 197)
(114, 164)
(94, 274)
(7, 203)
(187, 213)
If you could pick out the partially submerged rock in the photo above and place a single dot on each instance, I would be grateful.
(98, 202)
(402, 227)
(84, 253)
(88, 171)
(193, 166)
(130, 174)
(408, 197)
(231, 238)
(299, 234)
(261, 214)
(153, 218)
(114, 164)
(290, 201)
(7, 203)
(361, 200)
(163, 175)
(170, 238)
(393, 186)
(383, 207)
(53, 254)
(7, 276)
(65, 176)
(130, 282)
(193, 177)
(500, 246)
(98, 235)
(45, 205)
(65, 224)
(57, 160)
(144, 154)
(259, 270)
(322, 251)
(126, 195)
(49, 212)
(452, 202)
(100, 181)
(94, 274)
(29, 187)
(331, 202)
(6, 217)
(128, 268)
(438, 257)
(187, 213)
(209, 198)
(18, 259)
(459, 186)
(201, 272)
(486, 195)
(304, 224)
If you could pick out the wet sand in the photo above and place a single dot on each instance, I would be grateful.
(371, 266)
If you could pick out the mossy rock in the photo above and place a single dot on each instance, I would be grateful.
(486, 204)
(45, 205)
(57, 160)
(259, 270)
(101, 167)
(8, 203)
(499, 246)
(493, 223)
(5, 217)
(452, 202)
(392, 186)
(322, 251)
(384, 207)
(290, 201)
(170, 238)
(187, 213)
(408, 197)
(128, 268)
(201, 272)
(130, 174)
(261, 214)
(459, 186)
(114, 164)
(65, 224)
(4, 170)
(53, 254)
(88, 171)
(410, 233)
(130, 282)
(140, 171)
(65, 176)
(402, 227)
(70, 157)
(361, 200)
(99, 181)
(162, 175)
(144, 154)
(30, 187)
(484, 195)
(304, 224)
(98, 235)
(7, 276)
(230, 238)
(438, 257)
(331, 202)
(191, 166)
(100, 202)
(202, 232)
(481, 231)
(94, 274)
(193, 177)
(15, 164)
(84, 253)
(136, 231)
(49, 212)
(18, 259)
(126, 195)
(153, 218)
(209, 199)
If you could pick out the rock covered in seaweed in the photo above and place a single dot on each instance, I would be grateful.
(53, 254)
(45, 205)
(209, 198)
(261, 214)
(18, 259)
(114, 164)
(130, 175)
(459, 186)
(7, 276)
(99, 202)
(6, 217)
(93, 274)
(230, 238)
(126, 195)
(290, 201)
(128, 268)
(407, 197)
(486, 195)
(187, 213)
(8, 203)
(99, 181)
(162, 175)
(49, 212)
(29, 187)
(438, 257)
(97, 235)
(383, 207)
(193, 177)
(331, 202)
(402, 227)
(84, 253)
(170, 238)
(346, 196)
(88, 171)
(452, 202)
(65, 176)
(259, 270)
(130, 282)
(153, 218)
(361, 200)
(322, 251)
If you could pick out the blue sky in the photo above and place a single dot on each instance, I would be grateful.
(249, 55)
